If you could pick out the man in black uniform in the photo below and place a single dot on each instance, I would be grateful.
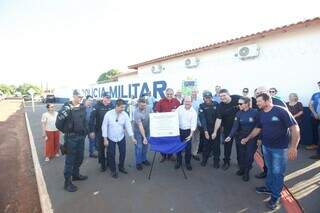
(96, 119)
(210, 120)
(228, 110)
(75, 129)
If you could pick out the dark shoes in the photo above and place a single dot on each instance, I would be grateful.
(189, 167)
(261, 175)
(122, 170)
(93, 156)
(79, 178)
(196, 157)
(216, 164)
(114, 175)
(68, 186)
(246, 177)
(163, 159)
(226, 165)
(240, 172)
(203, 163)
(272, 204)
(315, 157)
(103, 168)
(263, 190)
(139, 167)
(146, 163)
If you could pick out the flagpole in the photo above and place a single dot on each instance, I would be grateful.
(154, 157)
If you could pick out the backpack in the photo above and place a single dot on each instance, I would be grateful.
(63, 116)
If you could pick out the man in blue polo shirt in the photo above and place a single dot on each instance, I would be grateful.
(275, 124)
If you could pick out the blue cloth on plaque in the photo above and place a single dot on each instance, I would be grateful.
(166, 145)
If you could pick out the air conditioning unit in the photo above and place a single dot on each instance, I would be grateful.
(157, 68)
(191, 62)
(247, 52)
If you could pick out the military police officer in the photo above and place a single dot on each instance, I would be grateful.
(210, 119)
(72, 122)
(96, 119)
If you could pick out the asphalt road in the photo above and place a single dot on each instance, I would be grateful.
(206, 190)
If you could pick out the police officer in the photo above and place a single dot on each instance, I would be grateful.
(75, 130)
(96, 119)
(243, 124)
(210, 119)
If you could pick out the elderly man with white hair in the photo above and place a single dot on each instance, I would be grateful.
(187, 126)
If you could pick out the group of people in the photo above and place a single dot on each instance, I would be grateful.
(205, 123)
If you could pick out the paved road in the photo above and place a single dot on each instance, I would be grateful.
(205, 191)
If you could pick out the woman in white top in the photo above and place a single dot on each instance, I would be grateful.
(51, 134)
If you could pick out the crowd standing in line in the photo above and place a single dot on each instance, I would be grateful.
(205, 123)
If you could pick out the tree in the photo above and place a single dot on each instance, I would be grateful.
(107, 76)
(7, 89)
(25, 87)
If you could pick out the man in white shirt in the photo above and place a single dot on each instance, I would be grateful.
(187, 126)
(113, 128)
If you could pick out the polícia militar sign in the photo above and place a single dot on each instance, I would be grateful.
(127, 90)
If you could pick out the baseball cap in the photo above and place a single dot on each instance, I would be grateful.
(207, 94)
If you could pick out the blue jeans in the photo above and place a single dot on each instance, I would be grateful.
(141, 149)
(74, 157)
(92, 145)
(276, 161)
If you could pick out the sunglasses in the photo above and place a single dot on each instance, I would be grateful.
(271, 91)
(245, 91)
(240, 104)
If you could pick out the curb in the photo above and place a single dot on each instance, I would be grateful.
(45, 201)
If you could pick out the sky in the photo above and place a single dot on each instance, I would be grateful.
(71, 42)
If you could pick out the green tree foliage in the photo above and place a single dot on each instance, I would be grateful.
(107, 76)
(7, 89)
(25, 87)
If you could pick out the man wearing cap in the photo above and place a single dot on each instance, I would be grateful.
(96, 119)
(141, 129)
(75, 131)
(210, 119)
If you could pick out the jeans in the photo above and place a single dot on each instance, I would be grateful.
(74, 156)
(246, 153)
(276, 160)
(92, 145)
(140, 149)
(183, 135)
(112, 153)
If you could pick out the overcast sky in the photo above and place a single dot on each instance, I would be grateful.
(71, 42)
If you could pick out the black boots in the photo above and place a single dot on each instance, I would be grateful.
(240, 172)
(79, 178)
(68, 186)
(246, 176)
(226, 165)
(216, 164)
